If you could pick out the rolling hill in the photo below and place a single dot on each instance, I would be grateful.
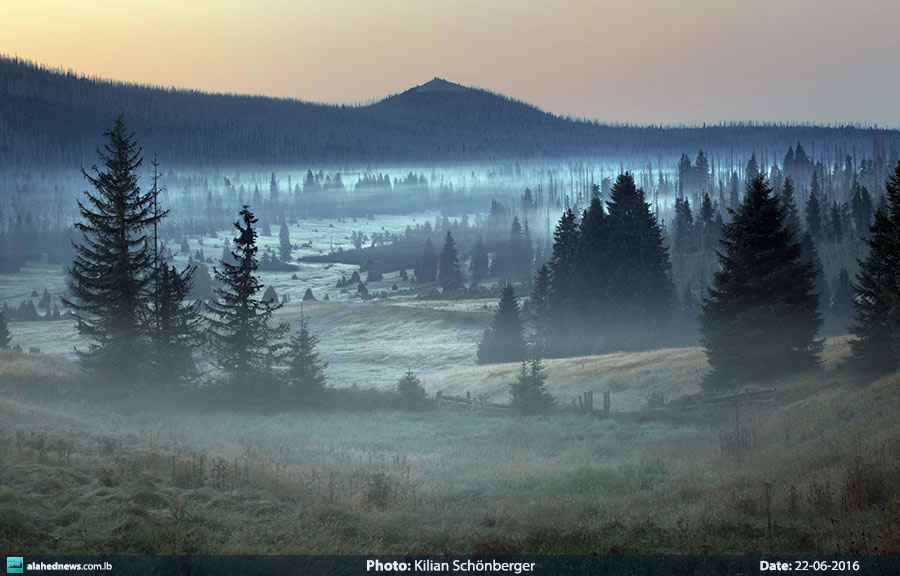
(54, 118)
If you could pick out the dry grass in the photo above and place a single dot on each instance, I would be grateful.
(13, 366)
(632, 378)
(815, 471)
(837, 350)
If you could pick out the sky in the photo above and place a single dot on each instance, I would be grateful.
(635, 61)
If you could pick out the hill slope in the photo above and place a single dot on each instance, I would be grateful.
(55, 118)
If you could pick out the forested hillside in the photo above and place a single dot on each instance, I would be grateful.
(50, 117)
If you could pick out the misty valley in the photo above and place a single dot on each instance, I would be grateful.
(588, 339)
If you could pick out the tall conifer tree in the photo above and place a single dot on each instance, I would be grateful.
(684, 239)
(761, 316)
(709, 234)
(178, 325)
(113, 266)
(503, 340)
(479, 265)
(174, 325)
(877, 303)
(814, 210)
(592, 275)
(449, 274)
(5, 336)
(792, 215)
(563, 295)
(306, 372)
(540, 307)
(285, 249)
(245, 347)
(642, 293)
(428, 266)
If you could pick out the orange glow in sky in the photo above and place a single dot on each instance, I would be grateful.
(663, 61)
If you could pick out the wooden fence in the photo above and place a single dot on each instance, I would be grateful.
(466, 402)
(585, 403)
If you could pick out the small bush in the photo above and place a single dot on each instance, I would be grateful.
(412, 394)
(528, 394)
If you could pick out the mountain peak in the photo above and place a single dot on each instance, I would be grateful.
(440, 85)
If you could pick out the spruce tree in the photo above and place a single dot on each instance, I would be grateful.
(709, 236)
(503, 340)
(811, 254)
(274, 201)
(174, 325)
(517, 261)
(701, 172)
(761, 316)
(563, 296)
(877, 304)
(5, 336)
(449, 274)
(526, 252)
(305, 375)
(814, 210)
(861, 208)
(244, 346)
(792, 215)
(835, 225)
(411, 391)
(684, 239)
(428, 265)
(113, 266)
(641, 290)
(479, 264)
(46, 302)
(540, 308)
(592, 277)
(528, 394)
(752, 169)
(734, 196)
(285, 250)
(177, 327)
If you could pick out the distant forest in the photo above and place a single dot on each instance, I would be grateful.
(49, 118)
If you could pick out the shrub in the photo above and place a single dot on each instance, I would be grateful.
(528, 394)
(412, 394)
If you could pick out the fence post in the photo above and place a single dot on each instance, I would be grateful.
(437, 397)
(606, 402)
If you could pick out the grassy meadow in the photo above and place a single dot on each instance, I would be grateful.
(815, 470)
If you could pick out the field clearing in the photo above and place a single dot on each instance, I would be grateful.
(367, 343)
(371, 344)
(317, 236)
(33, 277)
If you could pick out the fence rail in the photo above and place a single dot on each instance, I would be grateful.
(467, 402)
(585, 402)
(763, 395)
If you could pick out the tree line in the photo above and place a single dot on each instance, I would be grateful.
(607, 285)
(609, 280)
